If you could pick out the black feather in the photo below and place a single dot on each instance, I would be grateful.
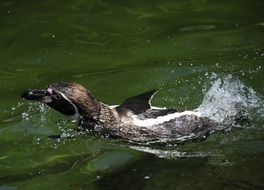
(137, 104)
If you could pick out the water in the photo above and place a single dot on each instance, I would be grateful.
(205, 55)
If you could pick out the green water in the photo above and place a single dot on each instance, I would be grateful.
(118, 49)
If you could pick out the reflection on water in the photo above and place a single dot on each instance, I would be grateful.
(199, 27)
(168, 153)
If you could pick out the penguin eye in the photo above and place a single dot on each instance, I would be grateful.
(57, 97)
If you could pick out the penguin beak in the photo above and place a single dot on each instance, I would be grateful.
(37, 95)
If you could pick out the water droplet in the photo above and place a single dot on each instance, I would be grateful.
(25, 116)
(147, 177)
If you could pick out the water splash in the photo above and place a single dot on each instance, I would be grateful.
(33, 108)
(227, 97)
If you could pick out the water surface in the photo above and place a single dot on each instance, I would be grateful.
(200, 54)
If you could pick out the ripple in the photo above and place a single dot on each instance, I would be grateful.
(260, 24)
(198, 28)
(168, 153)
